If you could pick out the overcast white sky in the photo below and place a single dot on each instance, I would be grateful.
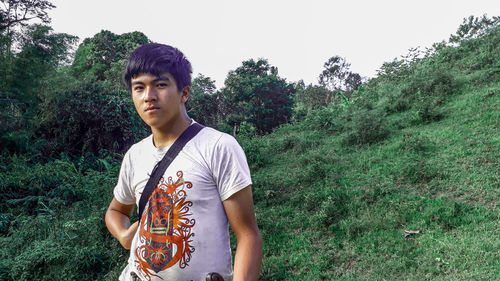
(296, 36)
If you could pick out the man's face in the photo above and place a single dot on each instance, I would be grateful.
(157, 99)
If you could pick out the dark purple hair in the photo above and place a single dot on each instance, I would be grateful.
(158, 59)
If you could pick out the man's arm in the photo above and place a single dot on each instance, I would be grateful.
(241, 216)
(118, 222)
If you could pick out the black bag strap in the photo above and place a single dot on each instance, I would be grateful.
(162, 166)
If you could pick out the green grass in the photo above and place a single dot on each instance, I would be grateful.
(332, 211)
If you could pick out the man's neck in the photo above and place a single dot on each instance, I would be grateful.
(163, 137)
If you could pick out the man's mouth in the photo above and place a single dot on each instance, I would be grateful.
(152, 108)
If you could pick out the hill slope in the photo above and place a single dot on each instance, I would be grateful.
(418, 150)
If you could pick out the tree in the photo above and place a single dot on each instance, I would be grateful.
(104, 56)
(23, 81)
(337, 76)
(203, 103)
(402, 68)
(255, 94)
(51, 48)
(314, 97)
(202, 85)
(19, 12)
(473, 27)
(89, 116)
(42, 51)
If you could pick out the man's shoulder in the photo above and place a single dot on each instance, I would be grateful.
(213, 138)
(141, 146)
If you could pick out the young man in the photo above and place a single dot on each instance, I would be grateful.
(183, 231)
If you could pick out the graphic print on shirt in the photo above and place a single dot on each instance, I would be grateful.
(165, 229)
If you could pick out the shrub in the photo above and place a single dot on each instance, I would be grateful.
(366, 127)
(314, 97)
(329, 119)
(89, 117)
(397, 102)
(428, 82)
(425, 93)
(428, 109)
(43, 242)
(295, 142)
(313, 166)
(254, 148)
(40, 188)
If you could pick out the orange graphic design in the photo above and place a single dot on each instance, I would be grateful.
(165, 229)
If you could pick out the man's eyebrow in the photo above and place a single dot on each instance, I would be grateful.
(161, 78)
(158, 78)
(137, 82)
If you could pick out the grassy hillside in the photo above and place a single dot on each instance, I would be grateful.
(335, 192)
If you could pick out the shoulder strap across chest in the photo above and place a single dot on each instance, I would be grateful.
(162, 166)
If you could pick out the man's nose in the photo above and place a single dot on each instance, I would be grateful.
(149, 94)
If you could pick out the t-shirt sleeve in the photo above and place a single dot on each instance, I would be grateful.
(123, 190)
(230, 167)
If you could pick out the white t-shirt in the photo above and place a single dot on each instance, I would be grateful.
(183, 234)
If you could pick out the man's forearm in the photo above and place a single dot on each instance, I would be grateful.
(248, 257)
(118, 223)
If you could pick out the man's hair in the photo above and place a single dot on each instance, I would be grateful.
(158, 59)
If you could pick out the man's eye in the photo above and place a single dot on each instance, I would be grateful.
(161, 85)
(138, 88)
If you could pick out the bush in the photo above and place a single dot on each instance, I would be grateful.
(48, 187)
(89, 117)
(44, 241)
(429, 82)
(330, 118)
(314, 97)
(445, 213)
(254, 148)
(294, 142)
(313, 166)
(366, 127)
(428, 109)
(397, 102)
(426, 91)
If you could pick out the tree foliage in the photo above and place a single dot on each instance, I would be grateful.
(473, 27)
(314, 97)
(255, 94)
(104, 56)
(41, 51)
(19, 12)
(337, 75)
(91, 116)
(203, 103)
(51, 48)
(22, 78)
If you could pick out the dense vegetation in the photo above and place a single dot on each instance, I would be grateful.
(341, 169)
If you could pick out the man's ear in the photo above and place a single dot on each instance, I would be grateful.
(186, 92)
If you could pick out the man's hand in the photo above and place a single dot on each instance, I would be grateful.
(118, 222)
(127, 236)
